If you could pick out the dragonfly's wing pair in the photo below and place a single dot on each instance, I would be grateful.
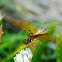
(25, 26)
(44, 36)
(30, 28)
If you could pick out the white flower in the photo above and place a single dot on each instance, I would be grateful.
(24, 56)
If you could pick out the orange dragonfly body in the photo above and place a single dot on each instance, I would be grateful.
(31, 30)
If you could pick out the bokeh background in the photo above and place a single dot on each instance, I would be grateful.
(47, 13)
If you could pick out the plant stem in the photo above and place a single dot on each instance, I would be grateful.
(59, 48)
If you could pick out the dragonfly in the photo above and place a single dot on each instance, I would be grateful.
(30, 29)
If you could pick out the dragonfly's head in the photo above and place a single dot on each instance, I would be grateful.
(25, 41)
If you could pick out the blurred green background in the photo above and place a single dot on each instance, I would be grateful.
(40, 13)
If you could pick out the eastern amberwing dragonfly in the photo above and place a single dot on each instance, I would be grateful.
(32, 31)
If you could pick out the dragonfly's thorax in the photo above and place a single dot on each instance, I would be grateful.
(28, 40)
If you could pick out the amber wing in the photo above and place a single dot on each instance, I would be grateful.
(29, 26)
(25, 26)
(44, 36)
